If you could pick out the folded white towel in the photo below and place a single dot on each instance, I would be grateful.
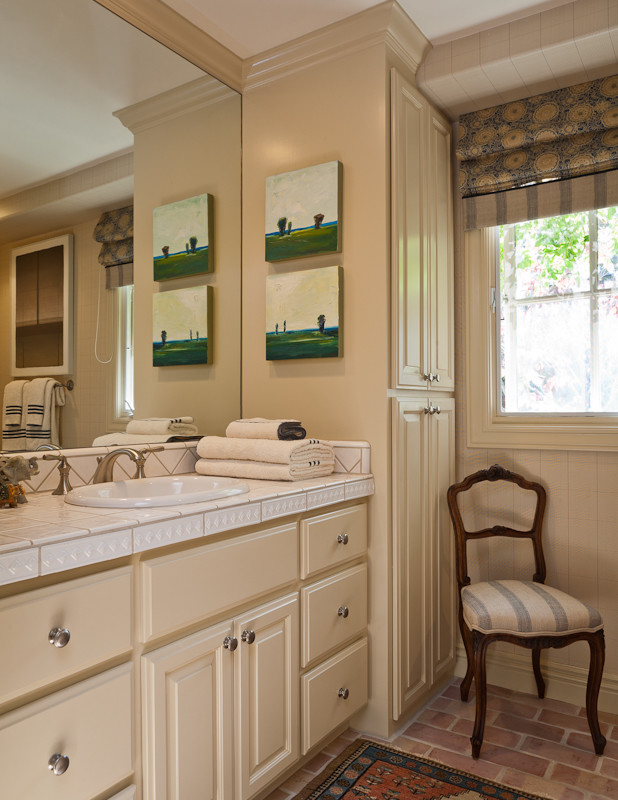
(40, 403)
(13, 418)
(169, 425)
(260, 428)
(310, 452)
(128, 439)
(262, 470)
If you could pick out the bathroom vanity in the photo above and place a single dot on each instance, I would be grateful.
(179, 652)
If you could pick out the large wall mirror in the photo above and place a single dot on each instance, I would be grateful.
(97, 116)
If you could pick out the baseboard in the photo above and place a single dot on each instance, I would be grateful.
(562, 681)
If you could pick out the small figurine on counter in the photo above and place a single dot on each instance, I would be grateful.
(12, 470)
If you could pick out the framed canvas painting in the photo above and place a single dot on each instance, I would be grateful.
(183, 238)
(303, 212)
(304, 314)
(182, 327)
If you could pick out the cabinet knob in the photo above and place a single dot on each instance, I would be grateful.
(58, 764)
(59, 637)
(437, 377)
(230, 643)
(343, 693)
(248, 636)
(343, 538)
(343, 611)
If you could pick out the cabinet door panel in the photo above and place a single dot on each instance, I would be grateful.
(411, 553)
(444, 592)
(409, 246)
(187, 718)
(440, 210)
(266, 681)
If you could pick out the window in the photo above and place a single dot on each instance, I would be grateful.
(573, 313)
(557, 315)
(124, 400)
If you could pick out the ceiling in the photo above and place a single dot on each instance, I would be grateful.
(247, 28)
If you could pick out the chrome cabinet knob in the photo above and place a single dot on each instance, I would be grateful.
(58, 764)
(248, 636)
(429, 376)
(343, 538)
(343, 693)
(427, 409)
(437, 377)
(59, 637)
(230, 643)
(343, 611)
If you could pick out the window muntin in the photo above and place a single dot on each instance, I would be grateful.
(558, 315)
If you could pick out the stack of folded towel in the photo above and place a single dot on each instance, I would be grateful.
(30, 413)
(150, 430)
(271, 458)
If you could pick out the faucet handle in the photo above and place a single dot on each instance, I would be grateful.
(64, 484)
(140, 461)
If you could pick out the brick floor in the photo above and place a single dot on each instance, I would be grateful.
(540, 746)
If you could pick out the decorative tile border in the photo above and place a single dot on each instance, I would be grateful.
(324, 497)
(157, 534)
(226, 519)
(88, 550)
(282, 506)
(359, 489)
(19, 566)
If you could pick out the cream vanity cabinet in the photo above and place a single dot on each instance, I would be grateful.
(422, 403)
(224, 707)
(77, 741)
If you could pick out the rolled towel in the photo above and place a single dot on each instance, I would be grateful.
(262, 470)
(287, 430)
(309, 451)
(161, 425)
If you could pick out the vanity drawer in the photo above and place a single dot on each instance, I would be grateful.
(332, 539)
(184, 588)
(96, 610)
(91, 723)
(325, 704)
(333, 611)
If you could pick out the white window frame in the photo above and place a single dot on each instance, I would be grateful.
(486, 425)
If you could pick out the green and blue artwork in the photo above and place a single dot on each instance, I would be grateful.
(182, 327)
(183, 238)
(303, 212)
(304, 314)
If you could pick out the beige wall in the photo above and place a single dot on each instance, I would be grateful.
(84, 415)
(331, 110)
(191, 154)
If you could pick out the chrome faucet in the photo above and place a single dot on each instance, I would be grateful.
(105, 471)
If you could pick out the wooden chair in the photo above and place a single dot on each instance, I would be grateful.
(526, 613)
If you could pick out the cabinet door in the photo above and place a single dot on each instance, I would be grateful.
(410, 317)
(442, 466)
(188, 718)
(424, 590)
(411, 553)
(440, 245)
(266, 694)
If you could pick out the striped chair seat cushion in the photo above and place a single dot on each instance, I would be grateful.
(526, 609)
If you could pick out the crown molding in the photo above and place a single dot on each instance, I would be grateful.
(385, 24)
(64, 187)
(185, 99)
(169, 28)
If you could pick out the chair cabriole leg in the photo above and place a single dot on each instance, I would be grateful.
(597, 660)
(538, 676)
(480, 644)
(466, 635)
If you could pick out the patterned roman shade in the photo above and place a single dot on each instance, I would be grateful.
(115, 232)
(529, 144)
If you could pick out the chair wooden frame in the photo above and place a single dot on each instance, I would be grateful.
(476, 643)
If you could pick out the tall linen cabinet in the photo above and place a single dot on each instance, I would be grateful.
(421, 396)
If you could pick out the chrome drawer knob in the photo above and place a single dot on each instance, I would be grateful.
(230, 643)
(343, 538)
(248, 636)
(343, 693)
(59, 637)
(58, 764)
(343, 611)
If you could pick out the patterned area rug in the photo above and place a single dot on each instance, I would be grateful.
(372, 771)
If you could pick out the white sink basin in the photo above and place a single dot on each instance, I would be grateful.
(168, 490)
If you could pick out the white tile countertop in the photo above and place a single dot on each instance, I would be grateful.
(47, 535)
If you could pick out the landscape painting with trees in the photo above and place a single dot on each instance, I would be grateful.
(304, 314)
(182, 327)
(303, 212)
(183, 238)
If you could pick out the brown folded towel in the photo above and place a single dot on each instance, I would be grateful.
(287, 430)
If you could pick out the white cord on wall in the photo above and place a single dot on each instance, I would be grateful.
(96, 335)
